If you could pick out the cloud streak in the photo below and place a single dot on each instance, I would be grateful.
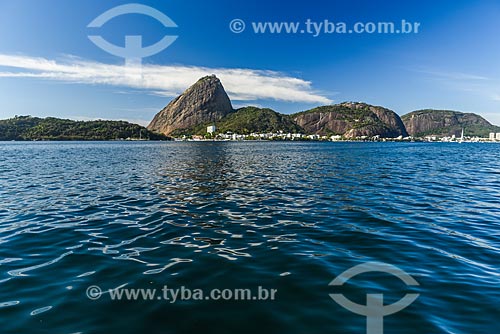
(241, 84)
(486, 87)
(457, 76)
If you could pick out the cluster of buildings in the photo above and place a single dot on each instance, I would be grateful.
(279, 135)
(448, 139)
(494, 136)
(270, 136)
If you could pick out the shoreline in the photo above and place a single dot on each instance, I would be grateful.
(253, 141)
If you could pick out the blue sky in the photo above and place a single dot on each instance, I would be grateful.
(49, 67)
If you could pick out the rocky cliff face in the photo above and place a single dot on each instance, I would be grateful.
(444, 123)
(205, 101)
(351, 120)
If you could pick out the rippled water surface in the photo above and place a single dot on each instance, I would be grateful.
(215, 215)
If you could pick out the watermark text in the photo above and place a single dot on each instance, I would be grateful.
(173, 295)
(325, 27)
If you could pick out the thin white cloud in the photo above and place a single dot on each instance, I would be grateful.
(453, 75)
(486, 87)
(495, 97)
(241, 84)
(243, 105)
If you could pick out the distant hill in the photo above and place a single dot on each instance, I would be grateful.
(252, 119)
(426, 122)
(351, 120)
(34, 128)
(248, 120)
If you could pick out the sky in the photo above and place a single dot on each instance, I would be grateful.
(50, 67)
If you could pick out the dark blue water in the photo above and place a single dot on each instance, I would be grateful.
(210, 215)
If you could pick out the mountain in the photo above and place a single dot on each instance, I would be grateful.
(248, 120)
(205, 101)
(34, 128)
(446, 123)
(351, 120)
(256, 120)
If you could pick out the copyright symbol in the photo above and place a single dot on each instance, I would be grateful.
(94, 292)
(237, 26)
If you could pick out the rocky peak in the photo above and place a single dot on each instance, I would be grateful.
(445, 123)
(205, 101)
(352, 119)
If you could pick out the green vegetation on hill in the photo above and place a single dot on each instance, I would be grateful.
(252, 119)
(248, 120)
(341, 109)
(359, 118)
(34, 128)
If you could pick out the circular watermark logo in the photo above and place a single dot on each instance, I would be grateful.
(134, 51)
(374, 310)
(94, 292)
(237, 26)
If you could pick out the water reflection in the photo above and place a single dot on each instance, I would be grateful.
(217, 214)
